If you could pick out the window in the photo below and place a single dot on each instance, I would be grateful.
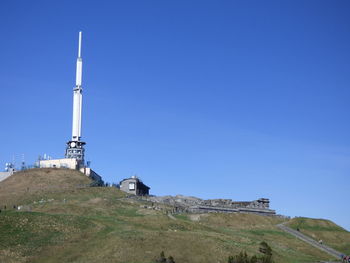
(132, 186)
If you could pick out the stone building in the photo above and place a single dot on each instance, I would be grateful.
(192, 204)
(134, 186)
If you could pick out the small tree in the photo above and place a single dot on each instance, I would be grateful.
(265, 259)
(254, 259)
(161, 258)
(265, 249)
(170, 260)
(242, 257)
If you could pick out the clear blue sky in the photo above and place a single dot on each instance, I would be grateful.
(216, 99)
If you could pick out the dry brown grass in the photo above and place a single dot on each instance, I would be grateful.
(23, 186)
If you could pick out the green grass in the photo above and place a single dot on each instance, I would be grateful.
(30, 232)
(182, 217)
(99, 225)
(325, 230)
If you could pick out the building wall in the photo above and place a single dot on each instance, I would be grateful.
(134, 186)
(92, 174)
(4, 175)
(59, 163)
(126, 187)
(142, 189)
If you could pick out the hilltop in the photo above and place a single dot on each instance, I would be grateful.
(63, 219)
(29, 185)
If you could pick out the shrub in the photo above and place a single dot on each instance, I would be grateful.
(161, 258)
(265, 249)
(242, 257)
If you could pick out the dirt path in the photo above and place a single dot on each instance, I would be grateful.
(310, 241)
(171, 216)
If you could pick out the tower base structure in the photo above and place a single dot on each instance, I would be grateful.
(75, 150)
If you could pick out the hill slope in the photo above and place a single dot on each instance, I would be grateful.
(71, 223)
(25, 185)
(325, 230)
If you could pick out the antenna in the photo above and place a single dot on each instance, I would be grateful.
(79, 49)
(75, 146)
(23, 164)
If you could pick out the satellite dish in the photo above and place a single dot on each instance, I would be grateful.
(72, 144)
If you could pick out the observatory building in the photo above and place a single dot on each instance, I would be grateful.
(74, 156)
(134, 186)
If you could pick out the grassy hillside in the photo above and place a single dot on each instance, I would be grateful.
(30, 185)
(75, 224)
(325, 230)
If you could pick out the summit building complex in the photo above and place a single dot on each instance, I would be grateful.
(75, 152)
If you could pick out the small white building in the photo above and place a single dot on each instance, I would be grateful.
(91, 173)
(59, 163)
(4, 175)
(9, 170)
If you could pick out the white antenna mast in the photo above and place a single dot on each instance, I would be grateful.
(75, 147)
(77, 97)
(79, 49)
